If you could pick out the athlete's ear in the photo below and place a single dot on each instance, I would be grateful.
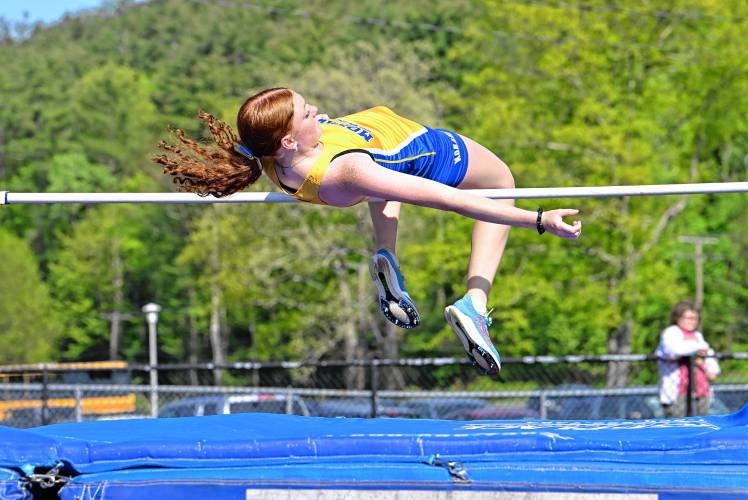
(289, 142)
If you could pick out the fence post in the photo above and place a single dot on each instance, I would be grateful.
(374, 380)
(45, 395)
(154, 390)
(690, 399)
(78, 409)
(542, 401)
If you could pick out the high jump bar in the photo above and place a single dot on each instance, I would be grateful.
(11, 198)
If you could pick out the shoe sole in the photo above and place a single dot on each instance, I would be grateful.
(472, 341)
(391, 296)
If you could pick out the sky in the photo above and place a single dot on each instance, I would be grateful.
(47, 11)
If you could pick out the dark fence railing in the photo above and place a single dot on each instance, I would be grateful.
(556, 387)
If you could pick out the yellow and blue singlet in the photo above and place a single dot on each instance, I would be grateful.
(392, 141)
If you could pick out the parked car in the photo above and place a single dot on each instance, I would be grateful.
(32, 417)
(733, 399)
(628, 406)
(441, 407)
(581, 406)
(361, 408)
(506, 412)
(235, 403)
(718, 406)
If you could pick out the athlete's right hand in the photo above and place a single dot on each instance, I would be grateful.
(553, 221)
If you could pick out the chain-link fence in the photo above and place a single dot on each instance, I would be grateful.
(574, 387)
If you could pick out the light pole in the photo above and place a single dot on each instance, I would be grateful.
(151, 311)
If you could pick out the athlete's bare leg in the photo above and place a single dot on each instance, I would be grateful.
(384, 267)
(485, 171)
(385, 216)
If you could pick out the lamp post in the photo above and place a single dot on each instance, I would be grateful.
(151, 311)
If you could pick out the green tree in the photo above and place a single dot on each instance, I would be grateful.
(42, 225)
(115, 116)
(116, 258)
(29, 326)
(567, 94)
(605, 95)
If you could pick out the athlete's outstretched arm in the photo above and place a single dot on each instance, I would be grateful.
(356, 176)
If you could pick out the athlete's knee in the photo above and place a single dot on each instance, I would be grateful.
(507, 181)
(504, 178)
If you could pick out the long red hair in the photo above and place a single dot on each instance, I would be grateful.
(263, 120)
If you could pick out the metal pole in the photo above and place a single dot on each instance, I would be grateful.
(690, 400)
(153, 361)
(45, 395)
(543, 401)
(151, 311)
(78, 409)
(8, 197)
(374, 374)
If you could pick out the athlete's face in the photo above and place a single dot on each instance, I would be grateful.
(306, 128)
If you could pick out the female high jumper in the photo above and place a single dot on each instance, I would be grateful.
(372, 154)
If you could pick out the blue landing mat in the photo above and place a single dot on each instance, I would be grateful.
(10, 486)
(233, 455)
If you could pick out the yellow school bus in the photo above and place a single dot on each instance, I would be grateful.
(82, 373)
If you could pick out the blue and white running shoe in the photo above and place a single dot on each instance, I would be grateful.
(471, 328)
(396, 304)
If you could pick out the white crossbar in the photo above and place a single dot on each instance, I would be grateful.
(8, 198)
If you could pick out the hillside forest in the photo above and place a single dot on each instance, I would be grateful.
(584, 93)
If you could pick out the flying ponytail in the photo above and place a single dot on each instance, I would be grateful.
(209, 171)
(262, 121)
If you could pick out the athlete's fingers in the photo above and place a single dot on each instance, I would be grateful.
(567, 227)
(569, 232)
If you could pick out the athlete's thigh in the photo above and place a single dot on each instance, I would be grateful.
(485, 169)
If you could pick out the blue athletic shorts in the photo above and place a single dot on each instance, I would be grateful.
(438, 154)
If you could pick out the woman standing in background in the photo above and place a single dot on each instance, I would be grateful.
(680, 340)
